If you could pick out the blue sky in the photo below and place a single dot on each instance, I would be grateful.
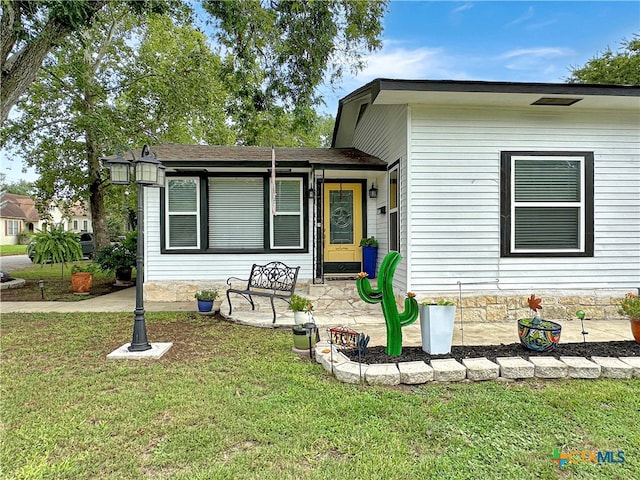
(519, 41)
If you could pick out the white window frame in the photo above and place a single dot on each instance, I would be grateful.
(396, 210)
(581, 204)
(195, 213)
(299, 213)
(13, 227)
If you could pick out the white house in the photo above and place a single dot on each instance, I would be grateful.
(490, 189)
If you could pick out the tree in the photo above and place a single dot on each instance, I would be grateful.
(621, 68)
(30, 30)
(147, 79)
(21, 187)
(277, 53)
(89, 100)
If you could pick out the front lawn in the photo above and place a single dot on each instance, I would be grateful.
(12, 250)
(233, 402)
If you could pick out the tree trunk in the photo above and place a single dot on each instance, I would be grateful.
(93, 148)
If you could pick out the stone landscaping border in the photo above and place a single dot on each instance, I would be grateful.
(473, 369)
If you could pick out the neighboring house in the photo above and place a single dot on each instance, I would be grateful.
(492, 188)
(18, 214)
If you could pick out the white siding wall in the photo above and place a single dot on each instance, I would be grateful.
(189, 267)
(455, 189)
(382, 132)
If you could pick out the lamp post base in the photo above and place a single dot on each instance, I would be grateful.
(139, 342)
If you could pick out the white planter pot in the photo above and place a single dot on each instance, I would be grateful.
(436, 324)
(301, 318)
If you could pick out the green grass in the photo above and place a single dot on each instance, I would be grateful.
(12, 250)
(233, 402)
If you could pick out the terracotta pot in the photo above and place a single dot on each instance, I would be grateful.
(81, 283)
(635, 329)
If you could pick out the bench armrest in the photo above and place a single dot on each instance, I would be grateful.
(236, 278)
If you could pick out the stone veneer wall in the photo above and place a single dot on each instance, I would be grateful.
(494, 306)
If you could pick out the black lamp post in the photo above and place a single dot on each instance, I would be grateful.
(149, 172)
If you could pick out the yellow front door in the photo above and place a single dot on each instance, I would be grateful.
(342, 228)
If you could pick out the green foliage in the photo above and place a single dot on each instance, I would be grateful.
(210, 295)
(620, 68)
(630, 306)
(300, 304)
(384, 295)
(118, 255)
(442, 303)
(55, 245)
(21, 187)
(85, 268)
(369, 242)
(279, 53)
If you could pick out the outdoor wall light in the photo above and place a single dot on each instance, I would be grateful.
(312, 193)
(373, 191)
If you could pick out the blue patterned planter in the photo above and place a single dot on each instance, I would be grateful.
(541, 337)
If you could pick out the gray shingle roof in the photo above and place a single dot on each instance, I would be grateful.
(175, 155)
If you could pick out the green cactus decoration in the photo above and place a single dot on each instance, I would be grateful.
(384, 295)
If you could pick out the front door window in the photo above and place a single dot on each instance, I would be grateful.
(343, 227)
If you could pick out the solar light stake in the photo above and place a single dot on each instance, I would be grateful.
(41, 284)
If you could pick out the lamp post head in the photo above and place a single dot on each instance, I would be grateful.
(147, 168)
(119, 170)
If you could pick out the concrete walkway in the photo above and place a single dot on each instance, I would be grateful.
(372, 325)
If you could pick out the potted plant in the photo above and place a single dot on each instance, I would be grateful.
(82, 278)
(302, 309)
(436, 326)
(119, 258)
(55, 245)
(630, 307)
(369, 255)
(535, 333)
(205, 300)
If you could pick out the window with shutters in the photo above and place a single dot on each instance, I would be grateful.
(547, 203)
(238, 216)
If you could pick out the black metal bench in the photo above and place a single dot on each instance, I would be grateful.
(273, 280)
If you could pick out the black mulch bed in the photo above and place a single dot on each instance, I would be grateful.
(590, 349)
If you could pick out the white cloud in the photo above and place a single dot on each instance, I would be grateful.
(538, 52)
(462, 8)
(535, 59)
(522, 18)
(401, 63)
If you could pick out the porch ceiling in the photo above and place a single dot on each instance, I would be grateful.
(181, 156)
